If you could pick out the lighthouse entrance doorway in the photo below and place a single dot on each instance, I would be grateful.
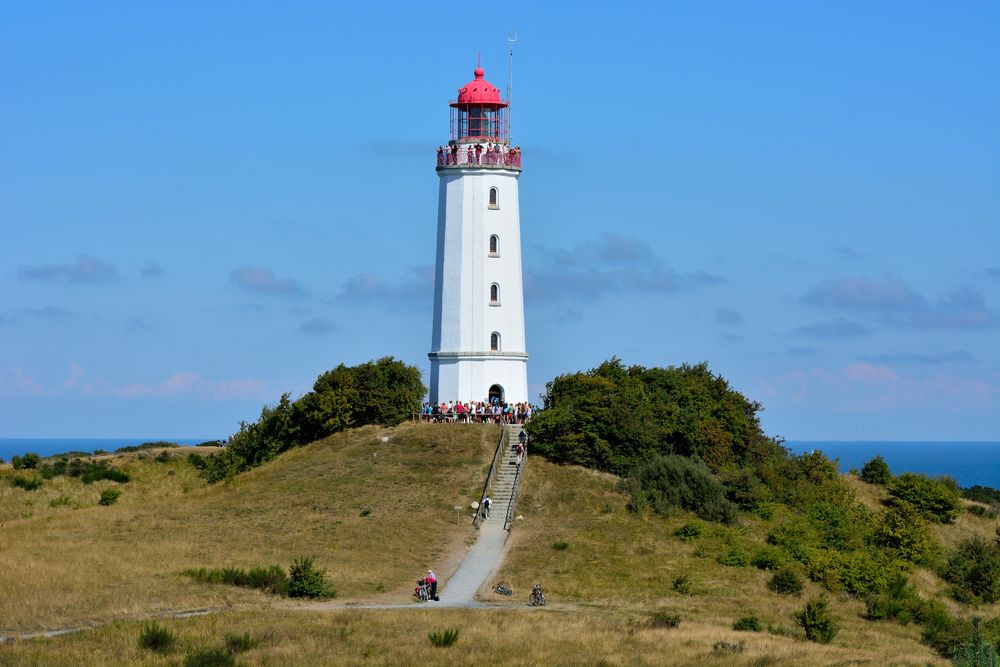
(496, 394)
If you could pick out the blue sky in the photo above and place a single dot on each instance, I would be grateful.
(204, 205)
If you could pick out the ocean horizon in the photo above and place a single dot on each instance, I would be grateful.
(969, 462)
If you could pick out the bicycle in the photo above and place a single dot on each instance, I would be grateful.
(537, 597)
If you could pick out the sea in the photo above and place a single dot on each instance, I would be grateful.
(970, 463)
(51, 446)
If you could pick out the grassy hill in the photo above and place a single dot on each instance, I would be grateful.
(375, 513)
(375, 507)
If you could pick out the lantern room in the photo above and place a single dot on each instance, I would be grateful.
(479, 112)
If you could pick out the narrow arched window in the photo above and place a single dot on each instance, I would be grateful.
(494, 342)
(494, 294)
(494, 245)
(494, 198)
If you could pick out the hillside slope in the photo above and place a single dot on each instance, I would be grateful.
(375, 507)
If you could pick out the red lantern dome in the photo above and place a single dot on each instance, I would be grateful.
(478, 113)
(479, 91)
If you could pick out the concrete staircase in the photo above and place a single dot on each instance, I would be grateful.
(503, 483)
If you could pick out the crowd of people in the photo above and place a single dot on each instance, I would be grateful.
(490, 154)
(477, 412)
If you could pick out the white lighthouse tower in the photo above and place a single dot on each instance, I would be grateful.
(477, 347)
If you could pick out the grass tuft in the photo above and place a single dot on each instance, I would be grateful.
(443, 639)
(209, 657)
(664, 619)
(157, 638)
(560, 545)
(109, 497)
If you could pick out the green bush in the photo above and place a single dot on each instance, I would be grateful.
(109, 497)
(443, 639)
(156, 444)
(899, 602)
(904, 531)
(689, 531)
(736, 556)
(163, 457)
(748, 624)
(305, 580)
(269, 579)
(27, 462)
(209, 657)
(876, 471)
(61, 501)
(26, 483)
(768, 558)
(973, 570)
(817, 622)
(560, 545)
(197, 460)
(990, 512)
(983, 494)
(157, 638)
(668, 483)
(786, 581)
(97, 470)
(616, 417)
(936, 499)
(682, 584)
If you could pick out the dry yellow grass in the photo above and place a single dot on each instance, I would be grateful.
(486, 637)
(62, 567)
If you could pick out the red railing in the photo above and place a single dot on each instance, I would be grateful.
(468, 156)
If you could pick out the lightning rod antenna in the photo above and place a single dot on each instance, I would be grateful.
(510, 80)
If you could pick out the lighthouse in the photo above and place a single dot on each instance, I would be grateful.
(478, 349)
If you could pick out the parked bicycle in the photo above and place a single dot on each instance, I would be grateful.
(537, 598)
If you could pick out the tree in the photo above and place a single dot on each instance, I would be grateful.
(876, 471)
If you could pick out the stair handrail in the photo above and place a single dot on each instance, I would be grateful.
(490, 476)
(517, 484)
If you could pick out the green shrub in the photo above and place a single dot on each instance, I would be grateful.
(560, 545)
(664, 619)
(973, 569)
(689, 531)
(163, 457)
(736, 557)
(936, 499)
(668, 483)
(26, 483)
(817, 622)
(748, 624)
(983, 494)
(990, 512)
(269, 579)
(109, 497)
(157, 638)
(876, 471)
(95, 471)
(27, 462)
(786, 581)
(197, 460)
(240, 643)
(305, 580)
(61, 501)
(156, 444)
(768, 558)
(944, 633)
(682, 584)
(443, 639)
(616, 417)
(904, 531)
(899, 602)
(209, 657)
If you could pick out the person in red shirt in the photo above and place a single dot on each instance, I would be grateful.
(432, 579)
